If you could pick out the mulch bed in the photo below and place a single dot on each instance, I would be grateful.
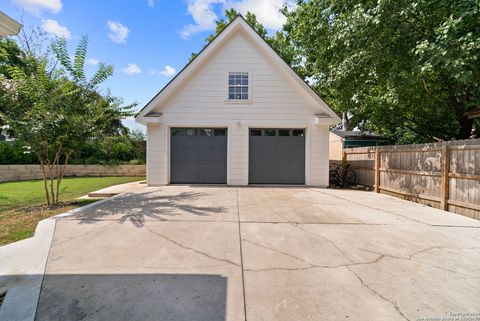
(44, 207)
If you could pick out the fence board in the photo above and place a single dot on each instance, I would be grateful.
(419, 173)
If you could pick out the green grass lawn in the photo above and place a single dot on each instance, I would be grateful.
(17, 224)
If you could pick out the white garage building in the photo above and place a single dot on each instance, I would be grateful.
(237, 115)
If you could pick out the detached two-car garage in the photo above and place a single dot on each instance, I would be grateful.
(237, 114)
(199, 156)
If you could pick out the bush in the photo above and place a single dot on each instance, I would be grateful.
(122, 151)
(112, 150)
(7, 153)
(16, 153)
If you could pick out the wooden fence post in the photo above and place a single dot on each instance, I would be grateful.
(377, 169)
(344, 158)
(445, 179)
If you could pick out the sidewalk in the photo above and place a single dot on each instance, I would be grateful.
(116, 189)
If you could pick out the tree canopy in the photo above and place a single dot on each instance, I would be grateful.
(406, 69)
(55, 111)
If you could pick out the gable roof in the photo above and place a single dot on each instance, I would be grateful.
(210, 48)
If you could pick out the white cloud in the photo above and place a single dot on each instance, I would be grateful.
(267, 11)
(93, 61)
(151, 3)
(119, 32)
(54, 28)
(37, 6)
(131, 69)
(204, 16)
(203, 13)
(167, 71)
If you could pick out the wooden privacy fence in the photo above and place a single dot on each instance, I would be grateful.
(443, 175)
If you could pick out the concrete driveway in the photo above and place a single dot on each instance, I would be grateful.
(280, 254)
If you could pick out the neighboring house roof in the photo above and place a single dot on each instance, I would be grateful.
(356, 134)
(8, 26)
(239, 22)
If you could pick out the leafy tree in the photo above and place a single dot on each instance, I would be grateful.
(407, 69)
(138, 141)
(10, 55)
(55, 111)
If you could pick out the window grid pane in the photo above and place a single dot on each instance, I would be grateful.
(269, 132)
(297, 132)
(238, 85)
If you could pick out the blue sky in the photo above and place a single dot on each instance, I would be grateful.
(147, 41)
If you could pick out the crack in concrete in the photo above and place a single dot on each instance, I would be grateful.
(280, 252)
(397, 308)
(282, 269)
(411, 257)
(371, 207)
(315, 266)
(425, 250)
(310, 264)
(352, 263)
(279, 214)
(83, 234)
(295, 225)
(190, 248)
(326, 239)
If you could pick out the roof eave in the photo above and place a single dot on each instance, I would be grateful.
(8, 25)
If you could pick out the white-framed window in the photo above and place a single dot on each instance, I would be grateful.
(238, 83)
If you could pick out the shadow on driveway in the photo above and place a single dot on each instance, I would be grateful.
(131, 297)
(139, 207)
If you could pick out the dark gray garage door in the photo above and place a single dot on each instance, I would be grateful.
(198, 156)
(277, 156)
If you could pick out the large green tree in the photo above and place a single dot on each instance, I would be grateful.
(54, 112)
(409, 69)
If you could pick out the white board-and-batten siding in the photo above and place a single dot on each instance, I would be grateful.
(276, 102)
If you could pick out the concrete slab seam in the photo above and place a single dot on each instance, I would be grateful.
(241, 258)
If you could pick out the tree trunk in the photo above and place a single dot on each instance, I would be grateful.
(52, 189)
(61, 173)
(345, 121)
(45, 185)
(466, 126)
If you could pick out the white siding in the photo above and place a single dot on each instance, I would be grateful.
(276, 101)
(157, 154)
(238, 155)
(319, 164)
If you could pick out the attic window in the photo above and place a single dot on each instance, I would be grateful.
(238, 85)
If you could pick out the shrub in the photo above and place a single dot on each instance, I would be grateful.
(16, 153)
(111, 150)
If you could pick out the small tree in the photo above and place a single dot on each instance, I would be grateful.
(55, 112)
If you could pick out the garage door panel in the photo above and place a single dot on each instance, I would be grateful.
(198, 159)
(277, 159)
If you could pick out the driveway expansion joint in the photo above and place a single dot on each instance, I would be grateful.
(241, 257)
